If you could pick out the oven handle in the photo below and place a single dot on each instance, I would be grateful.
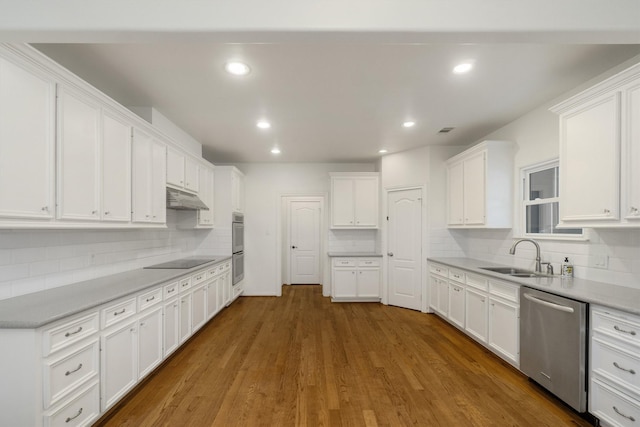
(549, 304)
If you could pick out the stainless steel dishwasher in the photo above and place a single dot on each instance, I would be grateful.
(553, 344)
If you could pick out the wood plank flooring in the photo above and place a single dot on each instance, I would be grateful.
(300, 360)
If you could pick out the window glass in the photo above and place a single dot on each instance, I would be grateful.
(542, 184)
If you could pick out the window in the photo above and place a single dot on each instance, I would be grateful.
(541, 202)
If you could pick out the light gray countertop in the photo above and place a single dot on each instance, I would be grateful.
(40, 308)
(354, 254)
(606, 294)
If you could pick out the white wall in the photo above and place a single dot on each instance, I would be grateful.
(35, 260)
(265, 184)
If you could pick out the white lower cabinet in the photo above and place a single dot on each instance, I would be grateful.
(488, 310)
(614, 383)
(185, 317)
(80, 410)
(118, 368)
(149, 341)
(171, 326)
(199, 307)
(355, 279)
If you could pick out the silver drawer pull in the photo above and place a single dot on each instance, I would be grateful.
(171, 290)
(623, 331)
(120, 312)
(77, 331)
(631, 371)
(66, 374)
(151, 299)
(629, 417)
(74, 417)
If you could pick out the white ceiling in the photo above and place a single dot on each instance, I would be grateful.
(330, 101)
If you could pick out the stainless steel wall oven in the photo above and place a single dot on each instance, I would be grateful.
(237, 247)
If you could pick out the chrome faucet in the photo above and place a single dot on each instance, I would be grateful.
(512, 251)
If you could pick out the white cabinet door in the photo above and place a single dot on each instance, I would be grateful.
(589, 160)
(171, 326)
(443, 297)
(191, 175)
(368, 283)
(118, 370)
(141, 177)
(237, 191)
(185, 317)
(158, 186)
(366, 202)
(27, 143)
(342, 209)
(198, 307)
(226, 284)
(175, 168)
(149, 341)
(345, 283)
(455, 180)
(205, 218)
(79, 169)
(212, 297)
(631, 171)
(476, 314)
(504, 329)
(474, 189)
(456, 304)
(116, 168)
(433, 292)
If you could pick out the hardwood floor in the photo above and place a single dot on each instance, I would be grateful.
(300, 360)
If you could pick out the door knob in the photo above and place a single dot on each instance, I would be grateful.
(294, 247)
(390, 253)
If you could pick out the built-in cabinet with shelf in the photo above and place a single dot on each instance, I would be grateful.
(614, 383)
(85, 363)
(486, 309)
(599, 153)
(479, 186)
(354, 200)
(355, 279)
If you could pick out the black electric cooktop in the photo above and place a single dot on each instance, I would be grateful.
(182, 264)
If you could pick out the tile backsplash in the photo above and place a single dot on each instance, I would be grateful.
(352, 241)
(35, 260)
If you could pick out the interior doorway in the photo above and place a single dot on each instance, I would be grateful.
(303, 243)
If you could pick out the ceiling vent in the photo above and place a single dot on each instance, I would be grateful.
(445, 130)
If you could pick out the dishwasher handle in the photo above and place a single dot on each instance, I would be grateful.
(549, 304)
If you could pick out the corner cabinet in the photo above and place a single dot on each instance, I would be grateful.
(354, 200)
(600, 154)
(479, 186)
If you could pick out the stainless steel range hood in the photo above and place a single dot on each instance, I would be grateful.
(181, 200)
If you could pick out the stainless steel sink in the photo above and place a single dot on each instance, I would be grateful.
(508, 270)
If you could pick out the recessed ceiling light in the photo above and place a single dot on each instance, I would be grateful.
(463, 68)
(409, 124)
(383, 151)
(263, 124)
(237, 68)
(275, 150)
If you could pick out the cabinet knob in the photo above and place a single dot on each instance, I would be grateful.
(94, 212)
(607, 211)
(107, 213)
(45, 208)
(390, 253)
(634, 210)
(147, 216)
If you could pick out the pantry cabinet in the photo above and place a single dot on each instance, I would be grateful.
(354, 200)
(599, 154)
(479, 186)
(27, 142)
(149, 169)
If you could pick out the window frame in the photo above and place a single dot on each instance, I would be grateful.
(525, 174)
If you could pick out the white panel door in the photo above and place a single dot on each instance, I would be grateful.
(116, 169)
(79, 168)
(27, 142)
(405, 248)
(304, 222)
(474, 189)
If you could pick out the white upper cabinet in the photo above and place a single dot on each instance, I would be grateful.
(205, 218)
(149, 175)
(27, 143)
(116, 168)
(182, 171)
(79, 167)
(479, 186)
(354, 200)
(599, 154)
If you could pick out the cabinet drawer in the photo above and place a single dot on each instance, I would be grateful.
(171, 290)
(118, 312)
(504, 290)
(614, 324)
(70, 332)
(63, 375)
(149, 299)
(457, 275)
(199, 277)
(213, 271)
(439, 270)
(616, 364)
(79, 411)
(477, 282)
(226, 266)
(612, 407)
(344, 262)
(185, 284)
(369, 263)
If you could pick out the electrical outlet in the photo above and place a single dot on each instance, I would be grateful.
(600, 261)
